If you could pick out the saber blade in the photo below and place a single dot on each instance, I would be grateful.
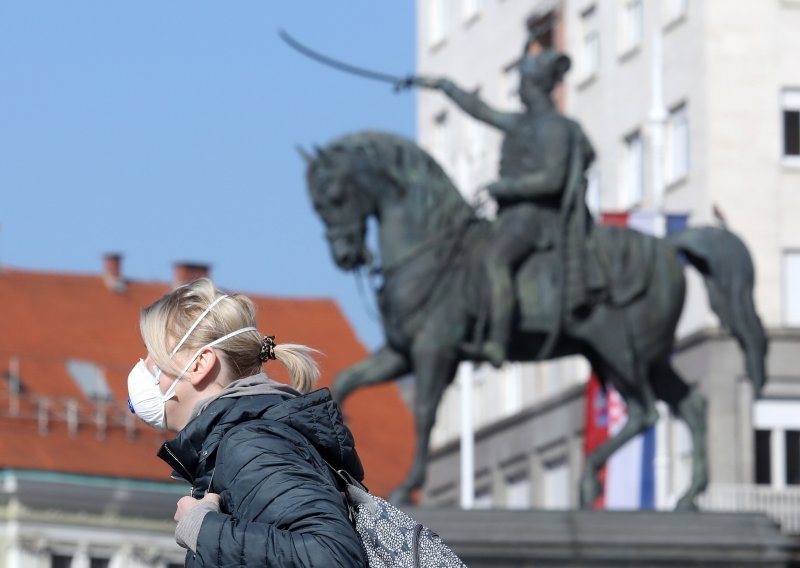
(336, 64)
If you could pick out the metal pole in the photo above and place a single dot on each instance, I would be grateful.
(466, 372)
(657, 117)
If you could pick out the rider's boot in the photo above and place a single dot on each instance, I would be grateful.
(495, 352)
(490, 350)
(495, 348)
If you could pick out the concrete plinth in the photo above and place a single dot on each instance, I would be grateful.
(502, 538)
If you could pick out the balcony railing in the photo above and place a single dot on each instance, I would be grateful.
(782, 505)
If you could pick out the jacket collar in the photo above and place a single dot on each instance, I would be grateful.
(201, 436)
(315, 415)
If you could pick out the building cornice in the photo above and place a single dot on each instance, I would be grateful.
(571, 394)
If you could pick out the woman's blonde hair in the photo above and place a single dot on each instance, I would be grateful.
(165, 322)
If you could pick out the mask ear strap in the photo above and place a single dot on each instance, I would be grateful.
(171, 389)
(195, 324)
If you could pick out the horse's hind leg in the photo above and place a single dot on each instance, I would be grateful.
(642, 414)
(689, 405)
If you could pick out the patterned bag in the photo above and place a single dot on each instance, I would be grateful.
(390, 537)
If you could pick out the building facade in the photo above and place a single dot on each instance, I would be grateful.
(693, 109)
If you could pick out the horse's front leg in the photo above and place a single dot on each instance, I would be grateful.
(434, 367)
(383, 365)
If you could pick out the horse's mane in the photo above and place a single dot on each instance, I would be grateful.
(410, 170)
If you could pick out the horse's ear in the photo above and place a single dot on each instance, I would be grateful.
(304, 154)
(322, 155)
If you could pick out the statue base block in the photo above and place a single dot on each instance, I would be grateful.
(505, 538)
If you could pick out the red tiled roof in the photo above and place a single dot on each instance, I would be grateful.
(47, 319)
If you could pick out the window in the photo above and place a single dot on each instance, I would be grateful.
(60, 561)
(518, 493)
(630, 29)
(676, 147)
(590, 44)
(471, 9)
(792, 457)
(777, 442)
(791, 124)
(632, 174)
(90, 379)
(556, 485)
(99, 563)
(763, 460)
(791, 288)
(439, 21)
(483, 499)
(674, 10)
(777, 448)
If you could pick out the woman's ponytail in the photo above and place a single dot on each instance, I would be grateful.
(302, 367)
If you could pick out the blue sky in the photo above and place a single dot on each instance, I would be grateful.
(166, 131)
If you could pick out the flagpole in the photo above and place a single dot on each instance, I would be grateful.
(657, 117)
(466, 372)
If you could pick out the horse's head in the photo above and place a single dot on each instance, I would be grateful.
(384, 175)
(341, 202)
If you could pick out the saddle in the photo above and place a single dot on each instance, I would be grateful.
(619, 267)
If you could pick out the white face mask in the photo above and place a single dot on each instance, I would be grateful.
(144, 394)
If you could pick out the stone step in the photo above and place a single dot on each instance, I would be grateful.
(501, 538)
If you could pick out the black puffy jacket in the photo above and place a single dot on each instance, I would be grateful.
(279, 503)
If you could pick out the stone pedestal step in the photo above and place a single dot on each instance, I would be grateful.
(505, 538)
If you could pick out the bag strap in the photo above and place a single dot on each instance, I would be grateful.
(344, 477)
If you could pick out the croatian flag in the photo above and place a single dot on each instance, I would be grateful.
(629, 475)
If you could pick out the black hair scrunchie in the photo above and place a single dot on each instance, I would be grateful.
(267, 349)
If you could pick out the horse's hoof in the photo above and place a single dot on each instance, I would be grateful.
(686, 503)
(495, 353)
(591, 489)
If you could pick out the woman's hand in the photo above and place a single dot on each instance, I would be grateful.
(186, 504)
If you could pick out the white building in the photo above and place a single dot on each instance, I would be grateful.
(711, 89)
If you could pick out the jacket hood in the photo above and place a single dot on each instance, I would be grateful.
(320, 420)
(315, 415)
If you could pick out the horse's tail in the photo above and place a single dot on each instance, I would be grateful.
(723, 260)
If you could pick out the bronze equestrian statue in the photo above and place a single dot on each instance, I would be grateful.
(437, 294)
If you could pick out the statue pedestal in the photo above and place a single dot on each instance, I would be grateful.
(505, 538)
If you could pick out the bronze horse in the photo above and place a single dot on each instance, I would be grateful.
(434, 294)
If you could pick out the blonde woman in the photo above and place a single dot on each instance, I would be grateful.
(254, 450)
